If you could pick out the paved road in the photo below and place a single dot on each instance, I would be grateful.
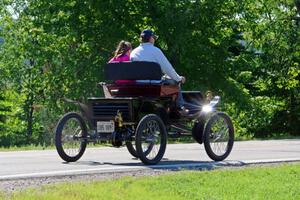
(25, 164)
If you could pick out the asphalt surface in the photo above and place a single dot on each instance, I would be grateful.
(47, 163)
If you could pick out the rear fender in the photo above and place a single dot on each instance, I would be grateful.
(198, 129)
(84, 109)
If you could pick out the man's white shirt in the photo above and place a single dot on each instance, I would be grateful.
(148, 52)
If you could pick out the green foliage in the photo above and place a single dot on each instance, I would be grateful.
(247, 52)
(276, 73)
(12, 126)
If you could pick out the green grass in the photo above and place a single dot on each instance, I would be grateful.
(280, 182)
(39, 147)
(25, 148)
(278, 137)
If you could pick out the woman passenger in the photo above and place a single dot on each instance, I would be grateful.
(122, 53)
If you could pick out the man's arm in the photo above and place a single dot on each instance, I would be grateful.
(166, 66)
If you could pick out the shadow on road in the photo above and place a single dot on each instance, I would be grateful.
(164, 164)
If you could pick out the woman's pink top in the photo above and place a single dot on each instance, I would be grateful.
(123, 58)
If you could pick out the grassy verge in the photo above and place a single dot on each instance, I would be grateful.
(279, 182)
(39, 147)
(26, 148)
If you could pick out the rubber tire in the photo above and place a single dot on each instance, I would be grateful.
(207, 128)
(142, 156)
(58, 132)
(131, 149)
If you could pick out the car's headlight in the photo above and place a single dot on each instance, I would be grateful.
(207, 108)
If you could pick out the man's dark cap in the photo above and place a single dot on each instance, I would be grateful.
(147, 33)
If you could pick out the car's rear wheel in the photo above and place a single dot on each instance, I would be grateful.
(218, 136)
(70, 137)
(131, 148)
(151, 139)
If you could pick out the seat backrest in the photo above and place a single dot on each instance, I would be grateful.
(132, 71)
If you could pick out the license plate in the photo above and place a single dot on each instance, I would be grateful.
(105, 126)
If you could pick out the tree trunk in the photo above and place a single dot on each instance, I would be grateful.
(29, 115)
(293, 119)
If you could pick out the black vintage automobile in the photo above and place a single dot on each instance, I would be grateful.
(142, 114)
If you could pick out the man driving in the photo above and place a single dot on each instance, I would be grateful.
(146, 51)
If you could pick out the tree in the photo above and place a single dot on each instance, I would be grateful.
(273, 27)
(247, 52)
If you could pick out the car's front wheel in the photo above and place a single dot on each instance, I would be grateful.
(218, 136)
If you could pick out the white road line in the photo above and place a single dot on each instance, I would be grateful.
(115, 169)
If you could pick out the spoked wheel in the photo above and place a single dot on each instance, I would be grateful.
(218, 136)
(151, 139)
(69, 139)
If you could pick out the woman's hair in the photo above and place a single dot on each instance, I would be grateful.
(122, 48)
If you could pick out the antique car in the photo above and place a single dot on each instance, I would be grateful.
(140, 112)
